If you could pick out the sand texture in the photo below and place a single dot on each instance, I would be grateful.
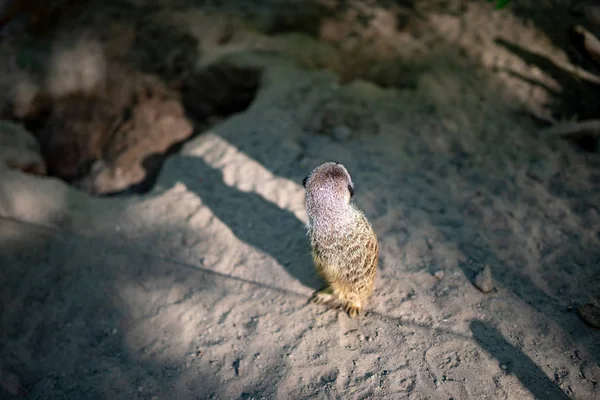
(197, 289)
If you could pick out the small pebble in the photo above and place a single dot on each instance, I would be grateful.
(484, 281)
(590, 313)
(439, 274)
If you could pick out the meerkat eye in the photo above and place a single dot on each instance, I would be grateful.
(351, 190)
(304, 181)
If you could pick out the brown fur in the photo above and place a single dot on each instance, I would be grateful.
(344, 245)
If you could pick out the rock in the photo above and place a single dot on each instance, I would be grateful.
(19, 149)
(75, 133)
(484, 281)
(111, 134)
(591, 371)
(155, 125)
(108, 141)
(439, 274)
(590, 313)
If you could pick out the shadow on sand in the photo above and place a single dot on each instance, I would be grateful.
(516, 362)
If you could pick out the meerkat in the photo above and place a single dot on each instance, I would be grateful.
(344, 245)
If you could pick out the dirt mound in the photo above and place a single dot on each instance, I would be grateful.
(107, 113)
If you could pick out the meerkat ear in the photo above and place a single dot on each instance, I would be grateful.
(304, 181)
(351, 190)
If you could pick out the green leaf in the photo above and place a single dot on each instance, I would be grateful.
(501, 4)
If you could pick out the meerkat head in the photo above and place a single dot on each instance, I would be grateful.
(329, 182)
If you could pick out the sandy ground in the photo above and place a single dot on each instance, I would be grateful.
(199, 288)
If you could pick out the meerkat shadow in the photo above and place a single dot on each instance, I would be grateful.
(515, 361)
(251, 218)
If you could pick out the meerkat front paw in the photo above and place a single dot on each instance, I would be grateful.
(323, 296)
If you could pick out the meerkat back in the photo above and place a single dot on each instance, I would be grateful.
(344, 244)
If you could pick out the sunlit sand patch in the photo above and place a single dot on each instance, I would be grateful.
(190, 232)
(247, 175)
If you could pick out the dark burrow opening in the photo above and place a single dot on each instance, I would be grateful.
(114, 141)
(208, 96)
(111, 135)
